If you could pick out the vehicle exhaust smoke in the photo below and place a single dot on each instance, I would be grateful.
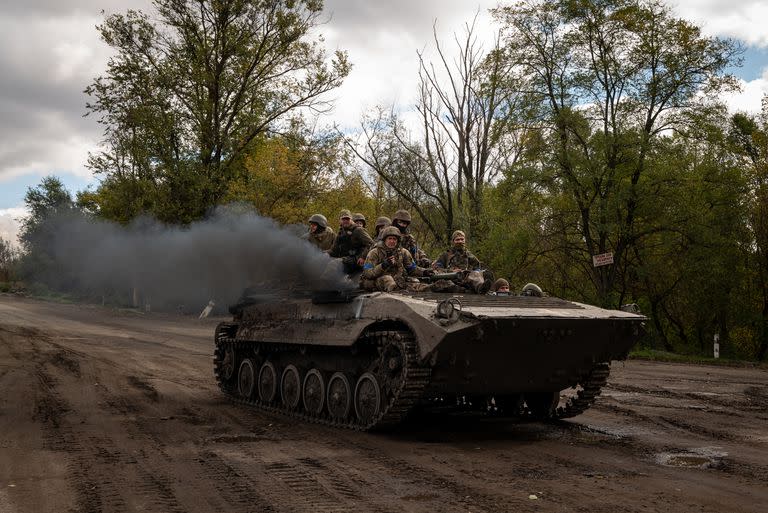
(216, 258)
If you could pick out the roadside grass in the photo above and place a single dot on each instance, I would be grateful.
(664, 356)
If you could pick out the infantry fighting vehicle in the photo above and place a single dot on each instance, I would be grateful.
(364, 360)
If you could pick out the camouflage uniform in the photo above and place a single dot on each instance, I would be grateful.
(421, 258)
(461, 259)
(409, 241)
(457, 258)
(322, 238)
(351, 244)
(377, 275)
(323, 235)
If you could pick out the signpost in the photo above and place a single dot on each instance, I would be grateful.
(602, 259)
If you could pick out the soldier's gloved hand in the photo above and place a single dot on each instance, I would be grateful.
(385, 264)
(428, 272)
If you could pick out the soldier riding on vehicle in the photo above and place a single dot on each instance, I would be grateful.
(467, 270)
(388, 265)
(402, 220)
(359, 220)
(351, 245)
(320, 234)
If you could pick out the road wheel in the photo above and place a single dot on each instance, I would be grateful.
(367, 398)
(246, 379)
(290, 387)
(313, 392)
(267, 382)
(339, 396)
(228, 363)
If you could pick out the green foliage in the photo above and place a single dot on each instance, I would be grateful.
(187, 93)
(8, 262)
(47, 201)
(607, 79)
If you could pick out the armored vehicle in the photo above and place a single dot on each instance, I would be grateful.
(364, 360)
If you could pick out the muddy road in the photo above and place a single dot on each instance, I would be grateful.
(109, 411)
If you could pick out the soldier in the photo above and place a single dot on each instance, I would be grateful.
(500, 287)
(402, 220)
(359, 220)
(320, 234)
(388, 265)
(351, 244)
(381, 223)
(459, 259)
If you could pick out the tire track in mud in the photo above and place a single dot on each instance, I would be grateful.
(152, 477)
(100, 472)
(94, 490)
(440, 487)
(310, 484)
(732, 405)
(235, 487)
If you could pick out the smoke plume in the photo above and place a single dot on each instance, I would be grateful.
(212, 259)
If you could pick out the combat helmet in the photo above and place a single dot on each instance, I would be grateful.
(320, 220)
(359, 217)
(501, 282)
(345, 213)
(390, 231)
(531, 289)
(383, 221)
(402, 215)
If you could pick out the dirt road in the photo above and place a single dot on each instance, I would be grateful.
(111, 411)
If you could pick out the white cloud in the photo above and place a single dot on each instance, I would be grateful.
(750, 97)
(382, 40)
(9, 223)
(740, 19)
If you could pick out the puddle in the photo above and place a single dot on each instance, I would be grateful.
(704, 457)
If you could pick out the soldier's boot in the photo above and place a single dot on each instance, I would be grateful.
(444, 286)
(369, 285)
(418, 287)
(386, 283)
(476, 283)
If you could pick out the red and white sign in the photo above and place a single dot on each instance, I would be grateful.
(603, 259)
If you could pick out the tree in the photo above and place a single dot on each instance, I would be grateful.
(8, 256)
(48, 204)
(609, 78)
(185, 97)
(441, 168)
(287, 177)
(750, 135)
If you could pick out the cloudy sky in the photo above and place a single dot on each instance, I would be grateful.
(51, 52)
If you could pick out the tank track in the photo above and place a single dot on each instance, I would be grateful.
(404, 395)
(591, 387)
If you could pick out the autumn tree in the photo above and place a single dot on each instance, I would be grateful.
(609, 78)
(189, 90)
(289, 177)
